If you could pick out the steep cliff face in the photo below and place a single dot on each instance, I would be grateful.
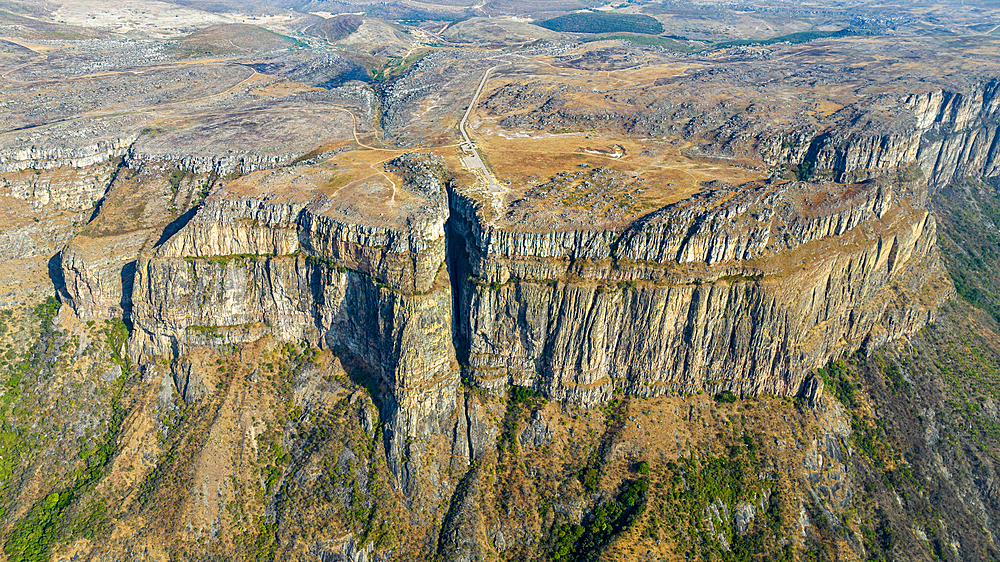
(98, 263)
(960, 133)
(297, 267)
(743, 288)
(948, 134)
(740, 289)
(40, 211)
(279, 338)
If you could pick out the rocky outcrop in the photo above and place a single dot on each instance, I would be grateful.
(959, 133)
(98, 275)
(462, 534)
(948, 135)
(98, 264)
(65, 188)
(742, 289)
(746, 288)
(405, 257)
(40, 211)
(52, 157)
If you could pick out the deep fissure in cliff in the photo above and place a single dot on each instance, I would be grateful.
(457, 262)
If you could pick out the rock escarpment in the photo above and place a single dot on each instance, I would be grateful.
(745, 288)
(947, 134)
(323, 333)
(298, 265)
(139, 206)
(742, 289)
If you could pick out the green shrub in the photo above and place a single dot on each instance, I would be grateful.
(523, 394)
(583, 543)
(725, 397)
(590, 477)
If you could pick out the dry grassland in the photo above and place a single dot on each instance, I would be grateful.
(570, 172)
(150, 18)
(353, 184)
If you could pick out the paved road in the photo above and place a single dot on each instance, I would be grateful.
(472, 159)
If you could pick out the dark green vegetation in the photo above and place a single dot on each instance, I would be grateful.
(12, 438)
(176, 177)
(607, 522)
(969, 215)
(600, 22)
(923, 445)
(726, 397)
(60, 513)
(800, 37)
(396, 66)
(521, 402)
(614, 416)
(925, 441)
(350, 493)
(355, 488)
(610, 519)
(695, 507)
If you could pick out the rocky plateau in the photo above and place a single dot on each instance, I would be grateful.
(258, 301)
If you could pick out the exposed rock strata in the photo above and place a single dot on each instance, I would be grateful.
(743, 289)
(294, 268)
(949, 134)
(98, 264)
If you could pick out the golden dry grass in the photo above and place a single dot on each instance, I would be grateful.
(650, 172)
(14, 212)
(656, 172)
(354, 182)
(335, 175)
(271, 88)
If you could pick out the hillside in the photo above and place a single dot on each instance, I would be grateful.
(228, 39)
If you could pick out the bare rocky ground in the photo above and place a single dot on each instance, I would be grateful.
(729, 302)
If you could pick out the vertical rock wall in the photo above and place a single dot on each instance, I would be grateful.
(746, 292)
(245, 268)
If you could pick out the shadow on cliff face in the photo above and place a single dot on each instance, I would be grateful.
(391, 422)
(457, 260)
(364, 376)
(462, 528)
(128, 279)
(99, 205)
(175, 226)
(56, 274)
